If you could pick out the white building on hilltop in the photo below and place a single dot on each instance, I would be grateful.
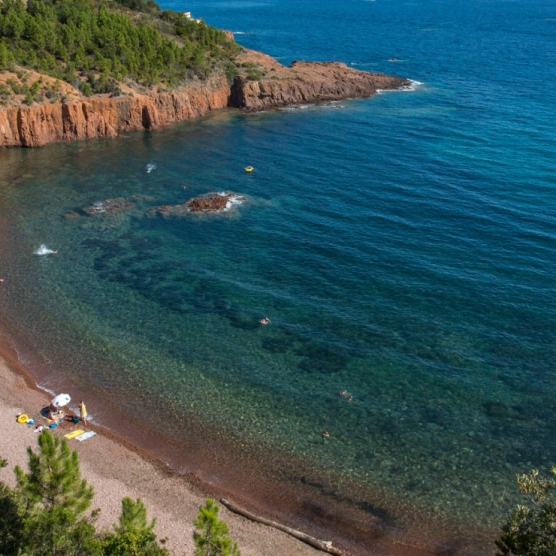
(188, 16)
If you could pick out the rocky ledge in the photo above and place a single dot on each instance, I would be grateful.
(261, 83)
(264, 83)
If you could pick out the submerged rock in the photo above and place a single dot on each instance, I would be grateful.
(108, 206)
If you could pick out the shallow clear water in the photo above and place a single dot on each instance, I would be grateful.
(403, 247)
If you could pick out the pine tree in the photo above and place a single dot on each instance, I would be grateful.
(133, 536)
(56, 498)
(11, 519)
(134, 517)
(212, 538)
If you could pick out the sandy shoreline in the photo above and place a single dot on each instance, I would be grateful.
(115, 471)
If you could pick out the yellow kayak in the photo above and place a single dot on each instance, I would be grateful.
(249, 169)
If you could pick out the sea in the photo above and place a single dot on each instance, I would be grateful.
(402, 246)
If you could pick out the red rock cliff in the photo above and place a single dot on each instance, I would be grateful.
(261, 83)
(302, 82)
(101, 117)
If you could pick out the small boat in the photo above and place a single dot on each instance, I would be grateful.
(249, 169)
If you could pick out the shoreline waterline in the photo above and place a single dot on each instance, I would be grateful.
(311, 505)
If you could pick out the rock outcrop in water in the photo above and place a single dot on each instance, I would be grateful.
(302, 82)
(209, 203)
(261, 83)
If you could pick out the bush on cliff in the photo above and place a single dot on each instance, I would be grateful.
(70, 39)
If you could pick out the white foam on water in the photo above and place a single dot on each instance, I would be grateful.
(43, 250)
(150, 167)
(413, 86)
(239, 32)
(232, 201)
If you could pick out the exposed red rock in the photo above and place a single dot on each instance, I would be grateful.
(302, 82)
(262, 83)
(104, 117)
(214, 202)
(211, 202)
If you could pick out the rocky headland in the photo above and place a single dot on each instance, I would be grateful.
(265, 83)
(261, 83)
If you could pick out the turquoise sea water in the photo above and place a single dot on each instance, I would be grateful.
(403, 247)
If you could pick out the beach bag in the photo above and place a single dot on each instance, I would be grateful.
(53, 425)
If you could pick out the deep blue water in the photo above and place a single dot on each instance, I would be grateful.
(403, 247)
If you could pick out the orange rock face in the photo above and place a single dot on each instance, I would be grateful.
(261, 83)
(101, 117)
(305, 82)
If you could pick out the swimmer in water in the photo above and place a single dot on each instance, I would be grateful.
(325, 434)
(264, 321)
(44, 250)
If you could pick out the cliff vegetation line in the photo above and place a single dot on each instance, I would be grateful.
(104, 46)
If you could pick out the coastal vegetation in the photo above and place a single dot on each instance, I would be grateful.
(211, 538)
(98, 45)
(531, 530)
(48, 513)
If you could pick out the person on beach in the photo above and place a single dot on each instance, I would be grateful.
(83, 412)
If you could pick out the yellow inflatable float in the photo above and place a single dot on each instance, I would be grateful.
(23, 418)
(249, 169)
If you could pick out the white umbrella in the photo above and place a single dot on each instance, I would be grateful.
(61, 400)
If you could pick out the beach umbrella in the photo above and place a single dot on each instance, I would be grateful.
(61, 400)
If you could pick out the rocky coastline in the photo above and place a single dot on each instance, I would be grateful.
(261, 83)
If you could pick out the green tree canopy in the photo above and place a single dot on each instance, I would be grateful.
(55, 498)
(133, 536)
(97, 44)
(212, 539)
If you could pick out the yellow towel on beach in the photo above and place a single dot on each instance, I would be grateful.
(73, 434)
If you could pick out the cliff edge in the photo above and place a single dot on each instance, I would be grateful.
(261, 83)
(102, 116)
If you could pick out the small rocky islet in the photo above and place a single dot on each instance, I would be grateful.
(213, 203)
